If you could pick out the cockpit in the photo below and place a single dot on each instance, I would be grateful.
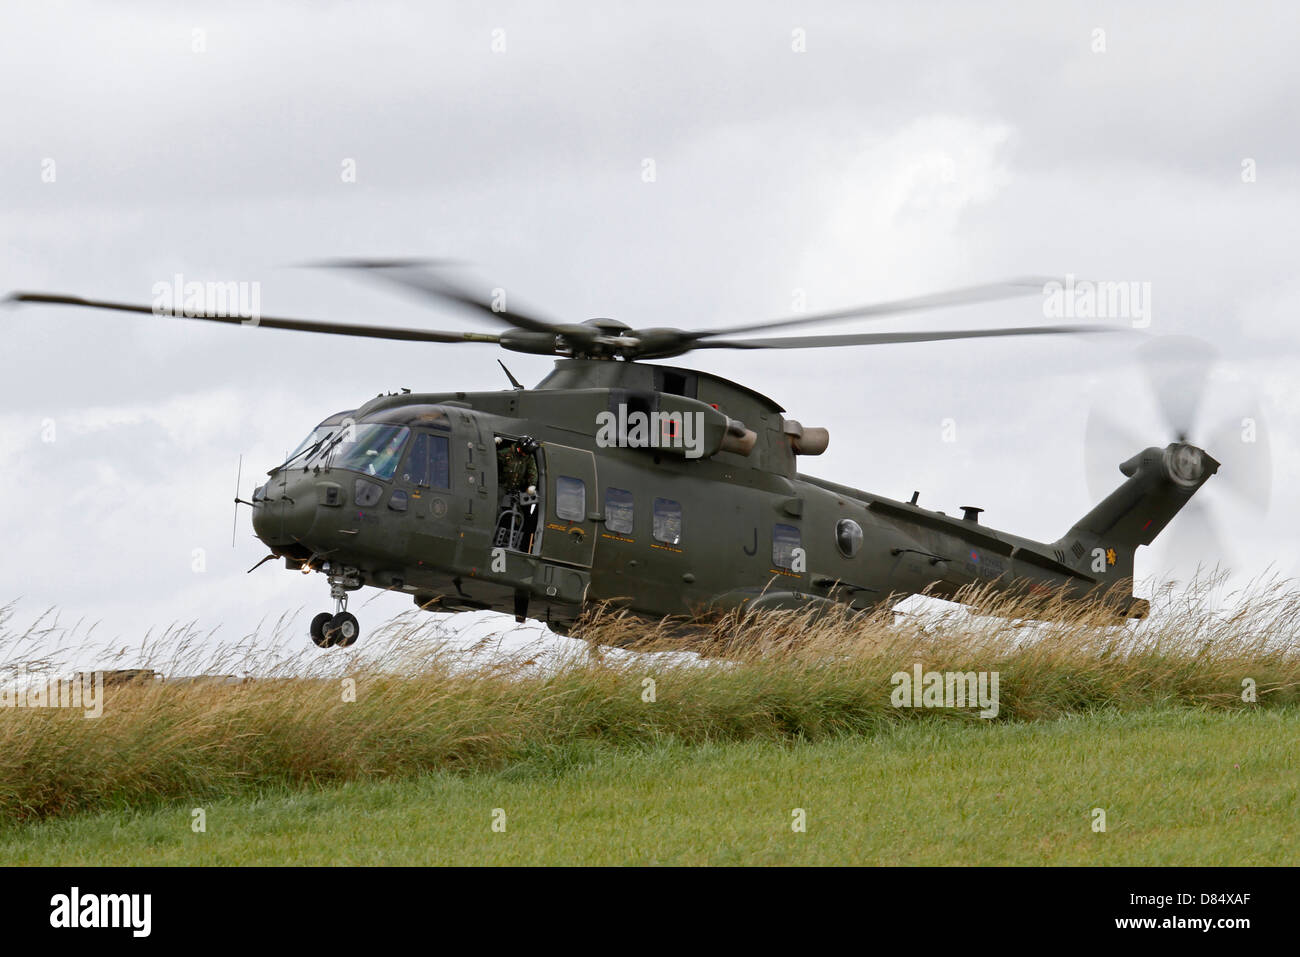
(317, 438)
(372, 448)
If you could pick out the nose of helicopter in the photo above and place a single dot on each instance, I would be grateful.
(284, 510)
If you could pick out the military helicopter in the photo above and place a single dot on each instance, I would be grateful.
(664, 489)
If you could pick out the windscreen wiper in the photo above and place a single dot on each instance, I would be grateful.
(309, 452)
(333, 444)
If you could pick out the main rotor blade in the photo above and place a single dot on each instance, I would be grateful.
(403, 272)
(888, 338)
(266, 322)
(1178, 368)
(987, 292)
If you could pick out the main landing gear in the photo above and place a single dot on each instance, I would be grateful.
(340, 629)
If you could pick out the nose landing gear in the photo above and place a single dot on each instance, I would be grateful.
(340, 629)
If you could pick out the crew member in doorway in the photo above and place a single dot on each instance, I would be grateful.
(516, 466)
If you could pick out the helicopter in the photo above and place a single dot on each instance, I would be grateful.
(665, 490)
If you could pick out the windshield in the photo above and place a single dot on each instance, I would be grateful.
(319, 433)
(317, 438)
(371, 448)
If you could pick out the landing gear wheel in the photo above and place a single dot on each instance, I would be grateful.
(318, 629)
(343, 629)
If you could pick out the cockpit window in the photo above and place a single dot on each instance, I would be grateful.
(317, 434)
(313, 442)
(373, 449)
(428, 463)
(327, 429)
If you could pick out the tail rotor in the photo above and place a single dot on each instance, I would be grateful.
(1180, 375)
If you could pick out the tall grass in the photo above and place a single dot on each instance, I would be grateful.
(775, 676)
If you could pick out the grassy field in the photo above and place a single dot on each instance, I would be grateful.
(1183, 729)
(776, 678)
(1178, 785)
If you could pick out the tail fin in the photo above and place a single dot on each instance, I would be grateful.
(1160, 482)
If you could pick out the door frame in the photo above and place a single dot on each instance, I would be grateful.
(568, 541)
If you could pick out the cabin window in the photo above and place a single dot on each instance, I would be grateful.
(668, 521)
(785, 539)
(429, 464)
(570, 499)
(848, 536)
(618, 510)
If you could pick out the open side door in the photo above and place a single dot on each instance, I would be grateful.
(569, 528)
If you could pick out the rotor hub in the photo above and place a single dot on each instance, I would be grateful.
(1184, 464)
(609, 327)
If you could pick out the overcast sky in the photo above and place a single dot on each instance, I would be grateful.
(837, 153)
